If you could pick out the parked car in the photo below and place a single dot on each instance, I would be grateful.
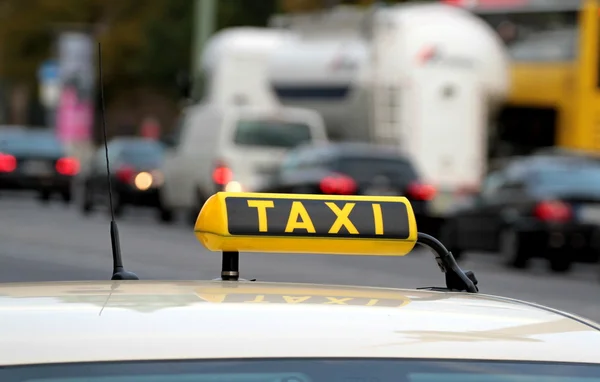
(539, 206)
(353, 169)
(34, 159)
(135, 176)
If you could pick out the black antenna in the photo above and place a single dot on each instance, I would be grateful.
(119, 272)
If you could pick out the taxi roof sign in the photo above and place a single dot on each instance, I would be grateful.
(231, 222)
(292, 223)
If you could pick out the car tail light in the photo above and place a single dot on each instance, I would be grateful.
(222, 174)
(420, 191)
(553, 211)
(8, 163)
(126, 174)
(67, 166)
(338, 184)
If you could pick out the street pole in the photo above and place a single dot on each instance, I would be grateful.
(205, 15)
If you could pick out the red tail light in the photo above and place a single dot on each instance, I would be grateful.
(553, 211)
(125, 174)
(8, 163)
(420, 191)
(338, 184)
(67, 166)
(222, 174)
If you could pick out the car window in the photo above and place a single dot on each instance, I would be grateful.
(42, 143)
(141, 153)
(304, 370)
(572, 179)
(363, 168)
(277, 134)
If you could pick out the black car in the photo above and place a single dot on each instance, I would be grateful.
(36, 160)
(352, 169)
(540, 206)
(135, 176)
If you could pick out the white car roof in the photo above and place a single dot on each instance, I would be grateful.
(135, 320)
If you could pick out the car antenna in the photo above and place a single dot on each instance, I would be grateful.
(119, 272)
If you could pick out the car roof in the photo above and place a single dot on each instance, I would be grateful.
(541, 161)
(135, 320)
(356, 149)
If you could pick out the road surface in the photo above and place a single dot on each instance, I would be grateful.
(54, 242)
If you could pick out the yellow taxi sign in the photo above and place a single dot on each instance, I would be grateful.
(297, 223)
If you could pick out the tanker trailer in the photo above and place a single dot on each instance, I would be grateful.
(427, 78)
(234, 64)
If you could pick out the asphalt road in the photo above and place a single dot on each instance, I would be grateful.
(54, 242)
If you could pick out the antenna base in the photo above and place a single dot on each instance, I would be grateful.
(456, 278)
(230, 270)
(124, 275)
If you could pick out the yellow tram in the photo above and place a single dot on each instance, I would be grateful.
(555, 91)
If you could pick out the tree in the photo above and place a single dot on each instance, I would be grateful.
(243, 12)
(140, 42)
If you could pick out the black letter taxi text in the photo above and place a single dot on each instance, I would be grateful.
(317, 218)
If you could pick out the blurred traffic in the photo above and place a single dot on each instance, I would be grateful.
(483, 114)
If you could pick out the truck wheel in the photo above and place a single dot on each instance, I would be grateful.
(512, 250)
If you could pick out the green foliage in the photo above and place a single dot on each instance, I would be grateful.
(244, 12)
(144, 41)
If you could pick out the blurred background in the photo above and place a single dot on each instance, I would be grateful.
(484, 113)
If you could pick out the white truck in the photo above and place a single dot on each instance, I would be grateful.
(426, 78)
(237, 136)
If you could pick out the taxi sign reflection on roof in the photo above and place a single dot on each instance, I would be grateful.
(354, 225)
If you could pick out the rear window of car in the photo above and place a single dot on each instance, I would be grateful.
(141, 153)
(30, 143)
(365, 168)
(265, 133)
(304, 370)
(576, 178)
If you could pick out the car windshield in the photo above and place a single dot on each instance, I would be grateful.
(24, 143)
(581, 179)
(366, 168)
(265, 133)
(304, 370)
(143, 153)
